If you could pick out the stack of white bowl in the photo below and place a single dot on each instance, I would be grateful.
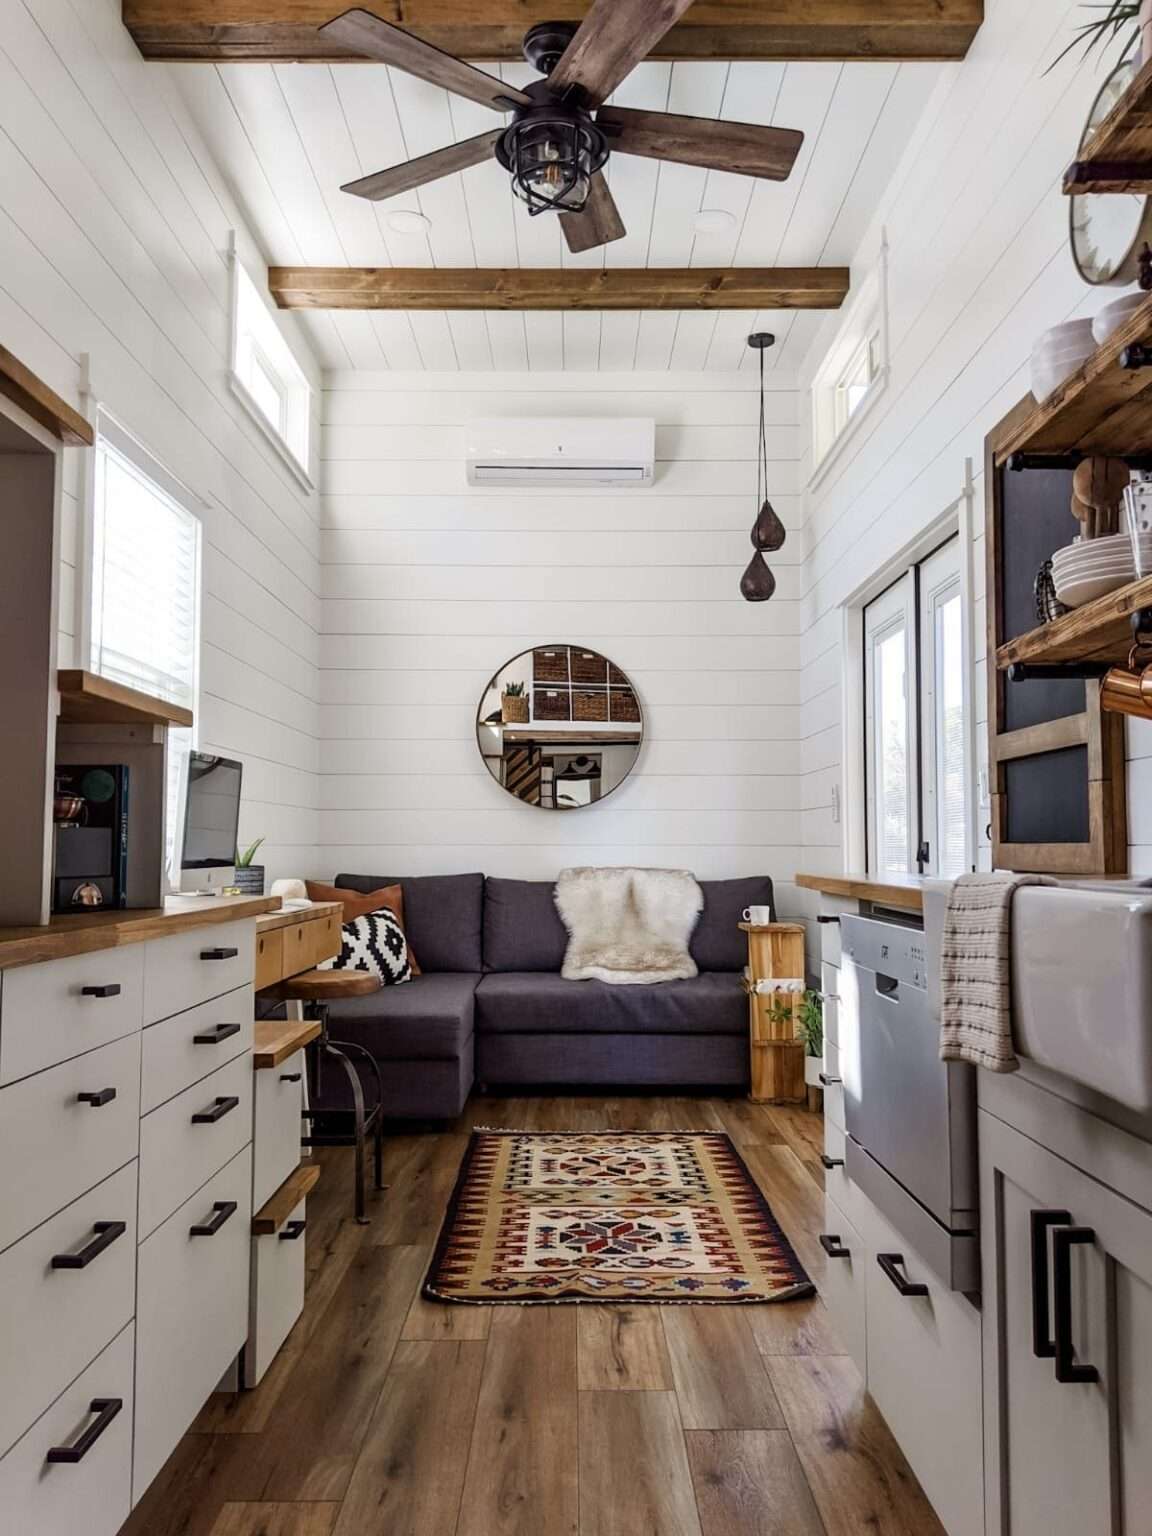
(1058, 353)
(1116, 314)
(1082, 572)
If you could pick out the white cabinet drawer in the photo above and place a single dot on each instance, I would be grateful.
(836, 1181)
(56, 1010)
(191, 1313)
(830, 987)
(188, 1046)
(59, 1145)
(191, 967)
(276, 1127)
(845, 1277)
(178, 1152)
(833, 907)
(277, 1293)
(924, 1372)
(55, 1317)
(833, 1087)
(39, 1497)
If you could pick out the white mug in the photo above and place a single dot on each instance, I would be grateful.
(758, 916)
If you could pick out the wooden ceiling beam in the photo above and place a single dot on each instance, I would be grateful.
(565, 288)
(287, 30)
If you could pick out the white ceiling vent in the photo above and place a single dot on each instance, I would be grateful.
(545, 451)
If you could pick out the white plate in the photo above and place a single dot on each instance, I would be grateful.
(1074, 594)
(1113, 315)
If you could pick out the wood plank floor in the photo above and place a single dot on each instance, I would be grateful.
(385, 1415)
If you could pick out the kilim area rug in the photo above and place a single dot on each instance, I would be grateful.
(615, 1216)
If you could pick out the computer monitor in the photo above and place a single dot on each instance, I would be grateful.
(211, 817)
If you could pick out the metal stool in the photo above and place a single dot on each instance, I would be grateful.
(315, 990)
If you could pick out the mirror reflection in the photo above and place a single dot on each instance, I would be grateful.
(559, 727)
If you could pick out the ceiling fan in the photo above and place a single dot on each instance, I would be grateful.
(561, 135)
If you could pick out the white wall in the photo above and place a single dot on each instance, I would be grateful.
(113, 233)
(429, 587)
(976, 226)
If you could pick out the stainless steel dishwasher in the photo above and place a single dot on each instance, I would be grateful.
(911, 1118)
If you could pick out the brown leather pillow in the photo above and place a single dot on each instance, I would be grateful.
(357, 904)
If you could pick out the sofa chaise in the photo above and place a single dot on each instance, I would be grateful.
(491, 1006)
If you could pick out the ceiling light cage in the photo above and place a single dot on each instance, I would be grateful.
(552, 153)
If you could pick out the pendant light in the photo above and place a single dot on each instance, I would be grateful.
(768, 533)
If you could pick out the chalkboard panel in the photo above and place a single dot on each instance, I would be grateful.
(1047, 797)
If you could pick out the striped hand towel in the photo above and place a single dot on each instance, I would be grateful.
(976, 970)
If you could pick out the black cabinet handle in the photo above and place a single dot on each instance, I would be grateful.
(292, 1230)
(221, 1107)
(106, 1234)
(104, 1096)
(221, 1210)
(219, 954)
(110, 989)
(828, 1082)
(1068, 1368)
(105, 1409)
(291, 1077)
(1039, 1221)
(889, 1263)
(831, 1162)
(833, 1247)
(214, 1036)
(827, 919)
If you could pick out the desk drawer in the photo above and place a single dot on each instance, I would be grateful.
(92, 1495)
(269, 958)
(57, 1145)
(277, 1293)
(54, 1320)
(191, 967)
(279, 1095)
(308, 943)
(188, 1046)
(51, 1012)
(178, 1153)
(192, 1312)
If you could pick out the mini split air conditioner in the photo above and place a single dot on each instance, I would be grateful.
(542, 451)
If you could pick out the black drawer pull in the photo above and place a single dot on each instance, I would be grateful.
(1043, 1345)
(105, 1409)
(214, 1036)
(831, 1162)
(221, 1107)
(291, 1077)
(106, 1234)
(826, 1081)
(827, 919)
(1068, 1369)
(833, 1247)
(889, 1263)
(221, 1210)
(104, 1096)
(292, 1230)
(110, 989)
(219, 954)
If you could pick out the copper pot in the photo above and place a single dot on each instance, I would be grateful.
(1127, 692)
(66, 808)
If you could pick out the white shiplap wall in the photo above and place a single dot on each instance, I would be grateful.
(429, 586)
(114, 226)
(976, 226)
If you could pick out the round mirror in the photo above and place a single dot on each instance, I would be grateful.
(559, 727)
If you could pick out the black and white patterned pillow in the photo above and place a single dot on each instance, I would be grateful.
(376, 944)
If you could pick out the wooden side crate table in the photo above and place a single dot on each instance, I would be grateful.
(775, 953)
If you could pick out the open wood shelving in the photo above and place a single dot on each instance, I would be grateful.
(1119, 157)
(1100, 631)
(86, 698)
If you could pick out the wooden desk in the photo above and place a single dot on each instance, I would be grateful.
(295, 939)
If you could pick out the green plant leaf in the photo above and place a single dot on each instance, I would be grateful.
(244, 860)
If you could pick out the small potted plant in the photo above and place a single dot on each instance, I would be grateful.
(249, 876)
(1128, 22)
(514, 704)
(810, 1028)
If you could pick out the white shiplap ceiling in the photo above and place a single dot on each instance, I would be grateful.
(288, 135)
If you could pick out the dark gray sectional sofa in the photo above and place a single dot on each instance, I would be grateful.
(492, 1007)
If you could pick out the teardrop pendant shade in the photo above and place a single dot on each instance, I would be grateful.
(768, 532)
(757, 583)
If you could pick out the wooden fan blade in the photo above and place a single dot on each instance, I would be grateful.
(597, 223)
(415, 173)
(612, 39)
(361, 32)
(750, 149)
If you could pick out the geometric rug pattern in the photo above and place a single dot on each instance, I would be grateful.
(657, 1216)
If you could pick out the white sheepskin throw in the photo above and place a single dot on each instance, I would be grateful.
(628, 926)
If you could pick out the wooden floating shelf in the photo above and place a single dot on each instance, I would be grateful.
(1100, 631)
(275, 1212)
(1120, 151)
(44, 405)
(277, 1039)
(1102, 408)
(88, 699)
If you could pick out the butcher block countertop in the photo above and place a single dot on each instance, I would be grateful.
(82, 933)
(905, 891)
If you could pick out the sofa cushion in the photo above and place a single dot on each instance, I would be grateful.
(717, 943)
(357, 904)
(430, 1019)
(522, 928)
(540, 1002)
(442, 916)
